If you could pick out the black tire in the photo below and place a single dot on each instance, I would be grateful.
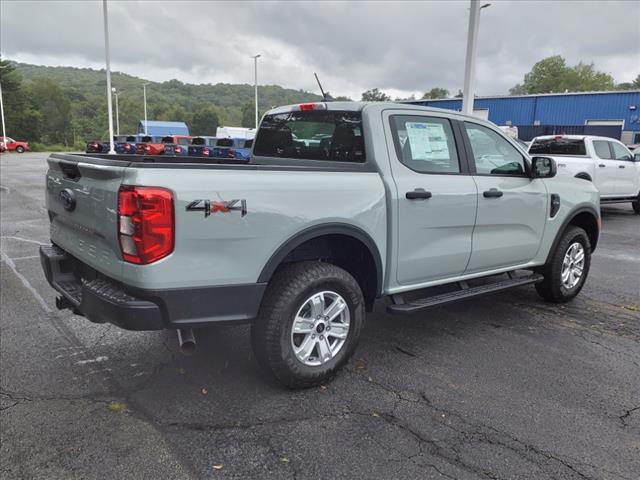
(636, 205)
(552, 288)
(20, 149)
(286, 294)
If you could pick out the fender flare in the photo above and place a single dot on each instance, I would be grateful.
(318, 231)
(564, 225)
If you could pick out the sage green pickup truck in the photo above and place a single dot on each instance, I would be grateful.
(341, 204)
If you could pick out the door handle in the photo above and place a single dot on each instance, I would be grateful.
(602, 165)
(418, 194)
(493, 193)
(621, 166)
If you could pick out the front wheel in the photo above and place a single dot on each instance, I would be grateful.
(567, 269)
(636, 205)
(20, 149)
(309, 323)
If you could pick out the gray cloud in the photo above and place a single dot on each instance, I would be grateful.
(402, 47)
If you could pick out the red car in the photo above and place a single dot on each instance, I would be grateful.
(148, 146)
(13, 145)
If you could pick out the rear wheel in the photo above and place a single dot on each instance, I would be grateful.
(568, 267)
(20, 149)
(309, 323)
(636, 205)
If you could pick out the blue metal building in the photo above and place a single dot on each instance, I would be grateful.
(615, 114)
(158, 128)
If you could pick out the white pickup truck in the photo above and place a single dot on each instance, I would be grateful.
(604, 161)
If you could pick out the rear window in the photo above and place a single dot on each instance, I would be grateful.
(183, 141)
(198, 141)
(558, 146)
(248, 143)
(224, 142)
(146, 139)
(167, 140)
(312, 135)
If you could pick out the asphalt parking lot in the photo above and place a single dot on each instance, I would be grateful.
(504, 387)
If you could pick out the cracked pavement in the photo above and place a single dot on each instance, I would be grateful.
(503, 387)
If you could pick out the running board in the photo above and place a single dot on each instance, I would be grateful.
(400, 307)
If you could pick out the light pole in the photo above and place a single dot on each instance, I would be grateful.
(116, 93)
(112, 149)
(4, 132)
(470, 61)
(144, 95)
(255, 83)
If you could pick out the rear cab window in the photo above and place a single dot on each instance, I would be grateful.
(312, 135)
(425, 144)
(602, 149)
(558, 146)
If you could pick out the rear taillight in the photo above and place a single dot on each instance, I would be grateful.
(145, 223)
(177, 149)
(231, 153)
(147, 148)
(127, 147)
(205, 152)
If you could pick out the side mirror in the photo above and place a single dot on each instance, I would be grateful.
(636, 157)
(543, 167)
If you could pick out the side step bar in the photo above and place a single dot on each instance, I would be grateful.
(400, 307)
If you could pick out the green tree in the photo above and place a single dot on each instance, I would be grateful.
(634, 85)
(21, 120)
(552, 74)
(55, 109)
(205, 121)
(375, 95)
(436, 92)
(248, 115)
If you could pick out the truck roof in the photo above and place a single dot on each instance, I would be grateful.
(573, 137)
(359, 106)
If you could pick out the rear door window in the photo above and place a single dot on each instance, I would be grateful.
(558, 146)
(602, 149)
(312, 135)
(425, 144)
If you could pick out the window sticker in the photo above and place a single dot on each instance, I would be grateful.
(428, 141)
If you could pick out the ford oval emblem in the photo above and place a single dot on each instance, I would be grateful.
(68, 199)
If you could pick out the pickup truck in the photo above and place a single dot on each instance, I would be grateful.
(156, 145)
(419, 206)
(176, 145)
(606, 162)
(11, 145)
(238, 148)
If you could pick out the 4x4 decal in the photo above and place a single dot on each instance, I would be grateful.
(214, 206)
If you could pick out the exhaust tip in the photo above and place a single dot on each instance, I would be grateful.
(187, 341)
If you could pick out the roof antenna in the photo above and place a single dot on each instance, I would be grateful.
(325, 96)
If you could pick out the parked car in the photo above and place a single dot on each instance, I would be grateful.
(604, 161)
(128, 144)
(198, 144)
(119, 144)
(12, 145)
(236, 148)
(176, 145)
(155, 146)
(301, 241)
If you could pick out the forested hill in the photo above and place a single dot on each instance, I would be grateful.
(83, 91)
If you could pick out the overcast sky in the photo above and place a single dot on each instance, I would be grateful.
(399, 47)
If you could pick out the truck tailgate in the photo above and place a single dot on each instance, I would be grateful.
(82, 201)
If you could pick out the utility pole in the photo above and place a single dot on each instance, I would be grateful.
(144, 95)
(255, 83)
(112, 149)
(470, 61)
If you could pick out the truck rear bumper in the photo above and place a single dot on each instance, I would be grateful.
(104, 300)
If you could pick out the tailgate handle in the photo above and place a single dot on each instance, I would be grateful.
(70, 171)
(621, 166)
